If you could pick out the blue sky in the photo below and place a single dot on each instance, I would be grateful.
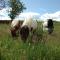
(42, 6)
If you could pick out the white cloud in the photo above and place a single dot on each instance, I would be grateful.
(55, 16)
(28, 14)
(4, 14)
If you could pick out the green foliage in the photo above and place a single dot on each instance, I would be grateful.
(17, 7)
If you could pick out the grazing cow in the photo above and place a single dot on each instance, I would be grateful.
(15, 25)
(48, 25)
(28, 25)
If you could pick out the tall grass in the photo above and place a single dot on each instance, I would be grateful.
(46, 47)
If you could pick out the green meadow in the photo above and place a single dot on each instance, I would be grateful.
(41, 46)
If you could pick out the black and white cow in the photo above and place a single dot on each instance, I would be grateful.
(28, 25)
(48, 25)
(15, 25)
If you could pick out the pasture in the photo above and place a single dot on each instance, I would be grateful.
(43, 47)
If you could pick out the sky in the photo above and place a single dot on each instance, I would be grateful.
(44, 9)
(42, 6)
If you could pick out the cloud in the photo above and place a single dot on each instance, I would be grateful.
(28, 14)
(55, 16)
(4, 14)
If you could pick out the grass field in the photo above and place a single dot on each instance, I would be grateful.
(46, 47)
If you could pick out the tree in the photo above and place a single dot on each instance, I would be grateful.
(16, 7)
